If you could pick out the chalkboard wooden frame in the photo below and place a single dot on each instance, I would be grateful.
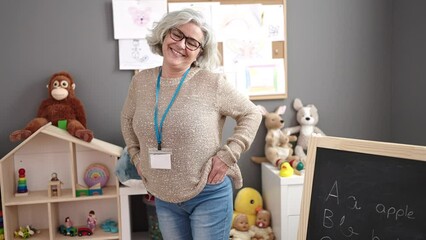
(380, 151)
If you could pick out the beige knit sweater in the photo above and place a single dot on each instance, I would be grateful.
(192, 129)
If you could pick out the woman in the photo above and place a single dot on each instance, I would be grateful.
(172, 123)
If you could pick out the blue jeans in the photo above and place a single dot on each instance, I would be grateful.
(207, 216)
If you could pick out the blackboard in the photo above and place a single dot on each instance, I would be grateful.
(357, 189)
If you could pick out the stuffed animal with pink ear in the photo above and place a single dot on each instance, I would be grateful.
(307, 117)
(277, 144)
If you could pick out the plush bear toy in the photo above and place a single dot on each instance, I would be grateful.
(262, 229)
(307, 117)
(61, 106)
(277, 144)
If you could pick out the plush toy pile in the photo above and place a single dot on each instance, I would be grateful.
(62, 108)
(278, 148)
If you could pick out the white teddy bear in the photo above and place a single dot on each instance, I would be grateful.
(307, 117)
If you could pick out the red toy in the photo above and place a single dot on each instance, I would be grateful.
(84, 231)
(62, 108)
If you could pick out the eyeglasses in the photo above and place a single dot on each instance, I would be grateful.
(190, 43)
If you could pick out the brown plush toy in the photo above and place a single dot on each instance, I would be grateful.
(61, 105)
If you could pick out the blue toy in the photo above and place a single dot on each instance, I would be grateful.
(125, 170)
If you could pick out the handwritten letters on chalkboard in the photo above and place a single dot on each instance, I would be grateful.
(330, 220)
(356, 195)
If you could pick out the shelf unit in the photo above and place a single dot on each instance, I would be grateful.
(282, 196)
(49, 150)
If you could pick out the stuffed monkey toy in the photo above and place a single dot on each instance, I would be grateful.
(62, 104)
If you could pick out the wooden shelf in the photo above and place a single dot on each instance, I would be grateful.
(49, 150)
(36, 197)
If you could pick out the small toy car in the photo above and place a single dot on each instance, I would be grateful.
(63, 230)
(84, 231)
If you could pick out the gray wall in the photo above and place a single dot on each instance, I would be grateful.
(409, 72)
(340, 59)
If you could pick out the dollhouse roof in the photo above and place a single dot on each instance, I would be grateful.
(54, 131)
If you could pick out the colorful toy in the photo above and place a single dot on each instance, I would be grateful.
(286, 170)
(262, 227)
(25, 232)
(240, 228)
(62, 104)
(22, 183)
(1, 226)
(109, 226)
(72, 231)
(83, 231)
(92, 191)
(91, 220)
(248, 201)
(153, 225)
(277, 144)
(69, 226)
(96, 173)
(307, 117)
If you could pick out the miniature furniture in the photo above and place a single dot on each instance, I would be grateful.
(54, 186)
(54, 189)
(51, 149)
(282, 196)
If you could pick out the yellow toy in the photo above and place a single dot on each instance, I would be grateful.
(248, 201)
(286, 170)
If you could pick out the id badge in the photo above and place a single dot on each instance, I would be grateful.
(160, 159)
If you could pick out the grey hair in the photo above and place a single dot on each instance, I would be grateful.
(208, 57)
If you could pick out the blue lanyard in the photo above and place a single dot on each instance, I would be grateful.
(159, 130)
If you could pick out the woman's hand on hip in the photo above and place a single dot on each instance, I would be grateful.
(218, 171)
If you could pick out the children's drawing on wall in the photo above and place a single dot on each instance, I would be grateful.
(135, 54)
(273, 22)
(241, 21)
(247, 48)
(208, 9)
(266, 77)
(134, 18)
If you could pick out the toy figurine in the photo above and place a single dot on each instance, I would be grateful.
(262, 227)
(91, 220)
(240, 228)
(54, 189)
(68, 225)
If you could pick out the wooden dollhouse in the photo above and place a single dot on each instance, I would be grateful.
(48, 150)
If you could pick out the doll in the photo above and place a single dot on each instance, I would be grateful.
(262, 228)
(91, 220)
(240, 228)
(68, 225)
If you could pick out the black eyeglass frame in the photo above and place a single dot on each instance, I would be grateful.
(183, 36)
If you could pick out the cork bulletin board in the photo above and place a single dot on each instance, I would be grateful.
(251, 36)
(275, 84)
